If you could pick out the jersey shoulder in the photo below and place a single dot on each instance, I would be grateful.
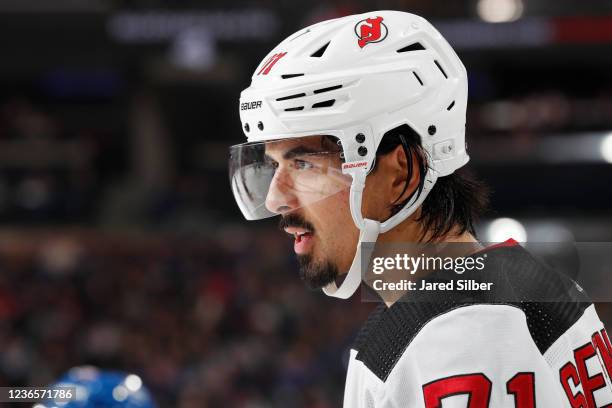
(519, 279)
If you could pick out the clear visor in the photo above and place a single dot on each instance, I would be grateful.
(278, 176)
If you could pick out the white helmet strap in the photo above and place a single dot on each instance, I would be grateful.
(369, 233)
(371, 229)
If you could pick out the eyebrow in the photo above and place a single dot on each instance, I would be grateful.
(297, 151)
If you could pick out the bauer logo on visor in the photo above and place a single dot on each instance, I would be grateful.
(353, 165)
(370, 30)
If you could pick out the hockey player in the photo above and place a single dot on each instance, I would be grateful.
(355, 128)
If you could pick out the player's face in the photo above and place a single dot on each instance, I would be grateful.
(312, 196)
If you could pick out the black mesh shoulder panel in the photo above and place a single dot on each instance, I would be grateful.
(518, 278)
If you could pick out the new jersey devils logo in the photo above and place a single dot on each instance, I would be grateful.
(370, 30)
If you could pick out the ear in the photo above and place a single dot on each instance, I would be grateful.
(399, 166)
(386, 184)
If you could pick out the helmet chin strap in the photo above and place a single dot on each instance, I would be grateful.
(369, 233)
(371, 229)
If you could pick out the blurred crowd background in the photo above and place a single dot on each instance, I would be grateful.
(120, 243)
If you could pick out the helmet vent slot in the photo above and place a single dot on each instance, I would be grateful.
(417, 46)
(329, 88)
(319, 53)
(441, 69)
(284, 98)
(297, 108)
(451, 106)
(324, 104)
(287, 76)
(418, 78)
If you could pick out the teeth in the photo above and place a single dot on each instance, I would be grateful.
(299, 234)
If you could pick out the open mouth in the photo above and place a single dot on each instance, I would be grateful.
(302, 239)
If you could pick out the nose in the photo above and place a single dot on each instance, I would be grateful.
(281, 196)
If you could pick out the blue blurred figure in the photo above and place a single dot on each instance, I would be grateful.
(102, 389)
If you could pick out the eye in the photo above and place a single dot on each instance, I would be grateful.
(302, 164)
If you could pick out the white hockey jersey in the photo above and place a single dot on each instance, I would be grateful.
(475, 351)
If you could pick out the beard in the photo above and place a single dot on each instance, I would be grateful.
(316, 275)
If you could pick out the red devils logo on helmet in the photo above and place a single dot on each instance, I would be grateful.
(370, 30)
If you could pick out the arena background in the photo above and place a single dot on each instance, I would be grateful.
(120, 243)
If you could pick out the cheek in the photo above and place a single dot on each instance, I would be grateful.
(346, 238)
(334, 223)
(335, 213)
(336, 233)
(342, 215)
(373, 204)
(341, 236)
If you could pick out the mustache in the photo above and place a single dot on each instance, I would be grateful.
(295, 220)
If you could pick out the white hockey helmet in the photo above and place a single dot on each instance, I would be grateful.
(350, 79)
